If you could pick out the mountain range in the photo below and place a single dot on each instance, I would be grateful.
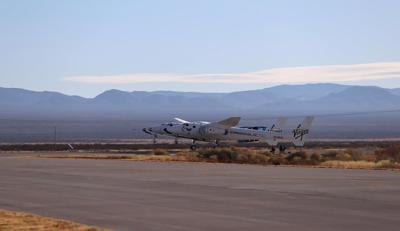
(288, 99)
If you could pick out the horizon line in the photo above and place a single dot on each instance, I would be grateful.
(198, 92)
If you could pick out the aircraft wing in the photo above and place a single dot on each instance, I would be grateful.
(181, 120)
(227, 123)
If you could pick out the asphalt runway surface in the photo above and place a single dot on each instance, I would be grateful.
(128, 195)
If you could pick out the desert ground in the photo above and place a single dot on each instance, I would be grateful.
(11, 220)
(109, 189)
(165, 186)
(132, 195)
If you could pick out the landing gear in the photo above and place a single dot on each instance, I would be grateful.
(216, 144)
(281, 148)
(176, 141)
(193, 147)
(154, 139)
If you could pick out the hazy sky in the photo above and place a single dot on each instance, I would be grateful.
(85, 47)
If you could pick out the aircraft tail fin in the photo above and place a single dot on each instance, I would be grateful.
(278, 125)
(227, 123)
(301, 131)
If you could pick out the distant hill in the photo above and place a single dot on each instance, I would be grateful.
(290, 99)
(395, 91)
(305, 92)
(360, 98)
(349, 99)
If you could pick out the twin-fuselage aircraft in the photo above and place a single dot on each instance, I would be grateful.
(227, 130)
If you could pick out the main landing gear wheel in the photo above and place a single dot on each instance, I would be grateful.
(193, 147)
(282, 148)
(215, 145)
(273, 149)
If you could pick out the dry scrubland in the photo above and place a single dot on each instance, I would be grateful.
(387, 157)
(10, 220)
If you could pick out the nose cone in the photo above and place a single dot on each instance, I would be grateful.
(158, 129)
(148, 130)
(154, 130)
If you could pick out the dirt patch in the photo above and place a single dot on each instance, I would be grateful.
(10, 220)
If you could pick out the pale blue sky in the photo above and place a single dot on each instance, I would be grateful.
(45, 43)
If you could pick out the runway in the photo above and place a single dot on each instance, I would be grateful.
(128, 195)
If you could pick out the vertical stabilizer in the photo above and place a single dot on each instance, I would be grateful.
(301, 131)
(278, 125)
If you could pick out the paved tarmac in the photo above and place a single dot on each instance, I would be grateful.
(128, 195)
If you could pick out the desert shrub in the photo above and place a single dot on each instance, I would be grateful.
(278, 160)
(349, 164)
(354, 154)
(361, 164)
(329, 155)
(252, 158)
(343, 157)
(226, 155)
(302, 158)
(234, 155)
(160, 152)
(221, 154)
(315, 157)
(385, 164)
(116, 157)
(266, 153)
(188, 156)
(243, 158)
(369, 157)
(296, 156)
(391, 152)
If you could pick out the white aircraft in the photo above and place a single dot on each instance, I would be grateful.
(226, 130)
